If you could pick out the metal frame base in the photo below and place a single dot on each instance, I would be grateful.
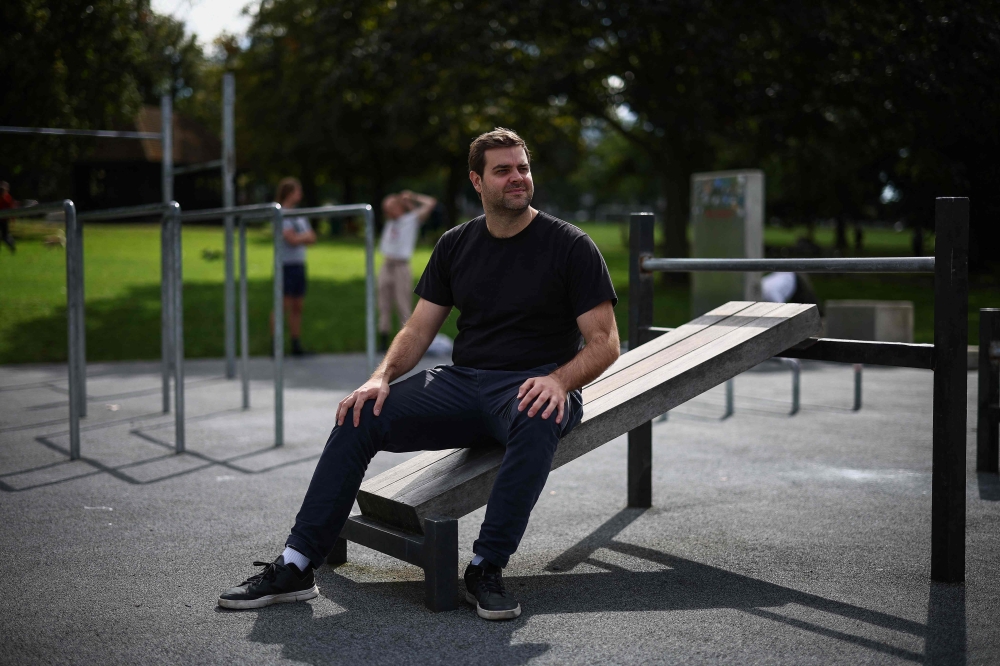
(435, 551)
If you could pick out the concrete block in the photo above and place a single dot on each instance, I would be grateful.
(882, 321)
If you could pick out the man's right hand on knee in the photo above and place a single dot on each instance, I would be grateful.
(376, 388)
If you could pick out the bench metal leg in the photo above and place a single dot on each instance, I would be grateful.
(338, 555)
(640, 466)
(441, 563)
(857, 387)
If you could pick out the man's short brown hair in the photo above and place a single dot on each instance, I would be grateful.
(500, 137)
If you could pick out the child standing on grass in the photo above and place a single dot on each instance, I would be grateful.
(296, 235)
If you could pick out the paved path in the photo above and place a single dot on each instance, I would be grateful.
(772, 540)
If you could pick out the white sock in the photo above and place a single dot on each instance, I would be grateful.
(292, 556)
(477, 560)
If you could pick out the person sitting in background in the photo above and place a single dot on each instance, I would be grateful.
(296, 235)
(6, 201)
(404, 213)
(785, 287)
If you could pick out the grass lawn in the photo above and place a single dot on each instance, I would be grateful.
(123, 293)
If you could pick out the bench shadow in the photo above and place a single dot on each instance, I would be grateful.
(989, 486)
(392, 613)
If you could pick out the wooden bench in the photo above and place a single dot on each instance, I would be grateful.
(411, 511)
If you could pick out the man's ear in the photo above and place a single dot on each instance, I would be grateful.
(477, 181)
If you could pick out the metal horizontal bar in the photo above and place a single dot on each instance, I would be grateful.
(392, 542)
(145, 210)
(100, 134)
(192, 168)
(247, 212)
(33, 211)
(896, 354)
(825, 265)
(327, 211)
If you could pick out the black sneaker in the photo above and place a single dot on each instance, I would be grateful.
(277, 583)
(484, 589)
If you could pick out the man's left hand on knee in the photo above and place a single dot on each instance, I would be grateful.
(545, 394)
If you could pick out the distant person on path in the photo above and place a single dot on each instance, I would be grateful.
(404, 213)
(296, 234)
(6, 201)
(786, 287)
(536, 324)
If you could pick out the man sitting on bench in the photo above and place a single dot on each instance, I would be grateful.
(528, 287)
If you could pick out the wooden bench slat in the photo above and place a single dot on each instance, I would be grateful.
(459, 481)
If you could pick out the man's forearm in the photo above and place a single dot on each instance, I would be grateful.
(588, 364)
(405, 351)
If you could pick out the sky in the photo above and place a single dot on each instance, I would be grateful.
(206, 18)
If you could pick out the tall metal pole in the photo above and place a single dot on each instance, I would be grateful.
(370, 288)
(640, 317)
(166, 300)
(178, 337)
(73, 342)
(244, 319)
(228, 201)
(167, 147)
(279, 332)
(951, 324)
(81, 325)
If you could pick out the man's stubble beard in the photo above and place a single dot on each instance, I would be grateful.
(496, 201)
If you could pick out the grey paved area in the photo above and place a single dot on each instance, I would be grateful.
(772, 540)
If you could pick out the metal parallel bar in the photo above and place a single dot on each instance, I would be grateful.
(987, 421)
(34, 211)
(166, 299)
(167, 148)
(244, 319)
(100, 134)
(228, 165)
(831, 265)
(440, 563)
(195, 168)
(394, 543)
(896, 354)
(250, 212)
(145, 210)
(340, 210)
(951, 320)
(370, 288)
(640, 317)
(72, 329)
(178, 322)
(279, 331)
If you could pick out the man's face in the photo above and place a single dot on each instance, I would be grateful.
(506, 181)
(393, 207)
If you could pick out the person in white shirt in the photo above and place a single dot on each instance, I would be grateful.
(296, 234)
(404, 213)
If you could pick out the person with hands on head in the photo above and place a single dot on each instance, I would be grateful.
(536, 323)
(404, 213)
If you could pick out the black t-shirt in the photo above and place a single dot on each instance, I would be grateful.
(518, 297)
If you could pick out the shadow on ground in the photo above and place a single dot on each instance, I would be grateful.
(395, 610)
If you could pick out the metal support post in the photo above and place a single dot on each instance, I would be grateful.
(228, 201)
(370, 288)
(167, 148)
(858, 373)
(178, 321)
(166, 307)
(73, 328)
(951, 298)
(81, 322)
(730, 399)
(279, 332)
(796, 367)
(640, 317)
(988, 420)
(441, 563)
(244, 319)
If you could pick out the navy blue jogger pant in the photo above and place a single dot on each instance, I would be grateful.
(445, 407)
